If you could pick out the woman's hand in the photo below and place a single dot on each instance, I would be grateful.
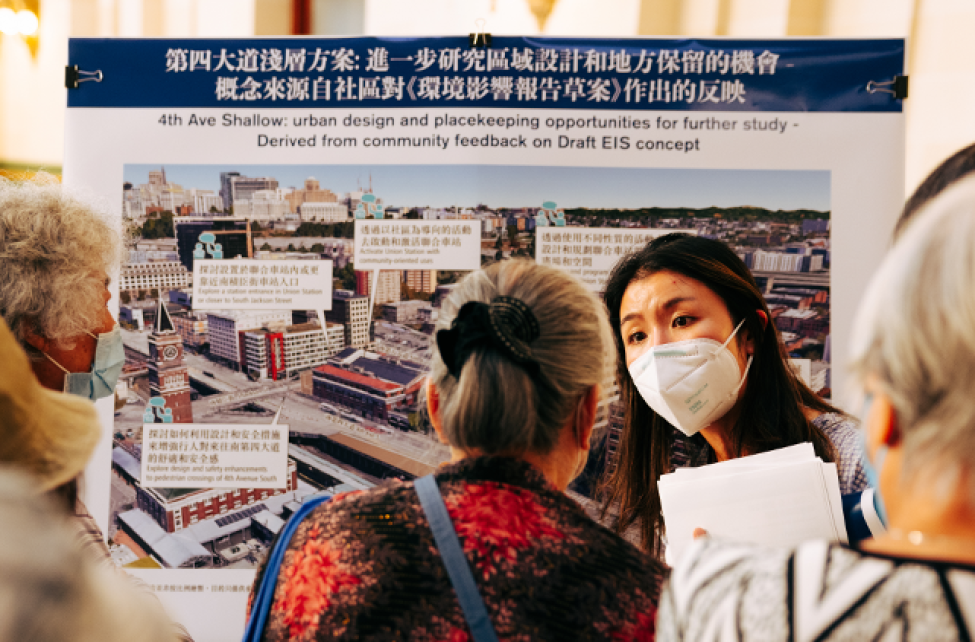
(699, 533)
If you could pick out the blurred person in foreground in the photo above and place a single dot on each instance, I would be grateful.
(51, 588)
(521, 352)
(913, 364)
(56, 252)
(951, 169)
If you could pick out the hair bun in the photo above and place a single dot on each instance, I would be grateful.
(514, 325)
(507, 324)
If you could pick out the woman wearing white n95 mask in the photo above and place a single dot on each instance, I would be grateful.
(704, 376)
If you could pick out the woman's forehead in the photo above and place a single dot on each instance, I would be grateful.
(664, 287)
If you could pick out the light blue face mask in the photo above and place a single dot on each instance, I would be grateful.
(869, 469)
(105, 370)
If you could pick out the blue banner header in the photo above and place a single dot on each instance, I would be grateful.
(553, 73)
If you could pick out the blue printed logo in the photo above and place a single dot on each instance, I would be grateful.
(157, 410)
(369, 207)
(550, 210)
(208, 239)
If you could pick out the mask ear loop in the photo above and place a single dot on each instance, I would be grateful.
(49, 358)
(748, 366)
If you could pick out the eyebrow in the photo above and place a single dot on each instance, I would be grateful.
(666, 306)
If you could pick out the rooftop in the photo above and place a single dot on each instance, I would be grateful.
(173, 549)
(355, 377)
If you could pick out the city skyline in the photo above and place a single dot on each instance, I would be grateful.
(527, 186)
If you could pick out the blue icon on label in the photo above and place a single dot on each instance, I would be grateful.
(157, 410)
(369, 207)
(550, 214)
(208, 240)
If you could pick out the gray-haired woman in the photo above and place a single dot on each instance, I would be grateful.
(522, 350)
(56, 252)
(913, 354)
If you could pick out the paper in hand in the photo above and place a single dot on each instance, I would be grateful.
(779, 498)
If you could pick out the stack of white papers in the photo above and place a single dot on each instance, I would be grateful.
(779, 498)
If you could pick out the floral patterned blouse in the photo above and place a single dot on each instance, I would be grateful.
(365, 566)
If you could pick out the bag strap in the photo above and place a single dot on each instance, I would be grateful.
(471, 602)
(264, 595)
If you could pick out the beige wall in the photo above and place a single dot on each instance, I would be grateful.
(32, 93)
(941, 49)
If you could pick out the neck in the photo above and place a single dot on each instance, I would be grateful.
(48, 374)
(718, 434)
(550, 465)
(933, 520)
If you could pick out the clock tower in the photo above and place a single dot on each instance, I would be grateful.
(168, 376)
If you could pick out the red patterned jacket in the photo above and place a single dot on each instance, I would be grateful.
(365, 567)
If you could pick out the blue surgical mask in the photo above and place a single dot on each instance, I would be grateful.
(100, 381)
(870, 470)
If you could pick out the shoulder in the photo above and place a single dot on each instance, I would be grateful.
(844, 433)
(836, 423)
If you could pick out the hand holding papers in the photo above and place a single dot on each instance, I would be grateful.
(778, 498)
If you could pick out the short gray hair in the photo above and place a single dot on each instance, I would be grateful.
(51, 245)
(496, 406)
(914, 334)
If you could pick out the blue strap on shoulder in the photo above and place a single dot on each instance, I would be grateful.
(454, 559)
(264, 597)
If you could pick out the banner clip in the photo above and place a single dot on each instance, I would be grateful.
(896, 87)
(73, 76)
(479, 38)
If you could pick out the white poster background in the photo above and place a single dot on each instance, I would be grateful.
(863, 151)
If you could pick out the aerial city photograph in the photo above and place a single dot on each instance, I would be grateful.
(348, 386)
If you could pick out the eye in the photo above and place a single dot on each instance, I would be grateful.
(682, 321)
(635, 337)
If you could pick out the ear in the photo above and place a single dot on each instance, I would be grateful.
(28, 329)
(433, 409)
(587, 418)
(762, 317)
(881, 424)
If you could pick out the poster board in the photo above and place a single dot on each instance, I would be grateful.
(538, 144)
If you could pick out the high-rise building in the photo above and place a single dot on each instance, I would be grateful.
(242, 188)
(387, 290)
(321, 212)
(263, 206)
(203, 200)
(168, 376)
(351, 310)
(159, 275)
(421, 280)
(226, 328)
(278, 352)
(226, 193)
(232, 233)
(158, 178)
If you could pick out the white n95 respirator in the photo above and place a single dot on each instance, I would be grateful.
(690, 383)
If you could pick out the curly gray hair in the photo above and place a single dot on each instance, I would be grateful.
(52, 247)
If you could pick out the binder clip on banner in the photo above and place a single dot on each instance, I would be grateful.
(896, 87)
(74, 76)
(479, 38)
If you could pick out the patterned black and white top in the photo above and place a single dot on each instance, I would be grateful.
(843, 431)
(818, 591)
